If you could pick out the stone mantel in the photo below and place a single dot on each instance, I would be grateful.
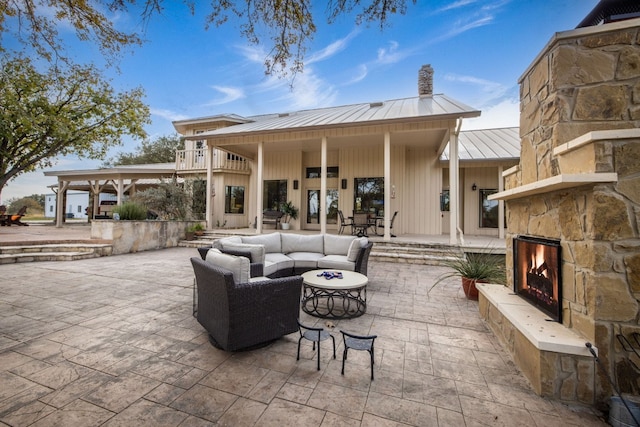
(558, 182)
(578, 162)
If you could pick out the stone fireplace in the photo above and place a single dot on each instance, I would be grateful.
(578, 183)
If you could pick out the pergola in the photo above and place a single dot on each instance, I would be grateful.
(120, 179)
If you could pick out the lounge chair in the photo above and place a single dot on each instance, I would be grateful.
(14, 219)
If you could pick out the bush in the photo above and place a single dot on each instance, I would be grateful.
(131, 211)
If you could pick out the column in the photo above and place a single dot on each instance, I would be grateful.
(454, 176)
(323, 186)
(260, 186)
(210, 190)
(500, 203)
(387, 186)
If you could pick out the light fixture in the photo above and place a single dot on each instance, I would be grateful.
(474, 187)
(344, 184)
(295, 184)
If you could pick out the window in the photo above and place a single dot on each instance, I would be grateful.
(368, 195)
(488, 210)
(274, 194)
(332, 172)
(444, 201)
(234, 199)
(79, 209)
(50, 208)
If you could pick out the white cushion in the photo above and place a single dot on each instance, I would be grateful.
(218, 243)
(258, 279)
(271, 241)
(305, 259)
(302, 243)
(337, 245)
(274, 262)
(257, 251)
(238, 265)
(355, 246)
(336, 262)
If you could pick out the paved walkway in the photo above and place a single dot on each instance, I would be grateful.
(111, 341)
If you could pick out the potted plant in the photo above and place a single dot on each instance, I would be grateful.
(472, 268)
(194, 230)
(290, 212)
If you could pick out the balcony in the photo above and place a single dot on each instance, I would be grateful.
(195, 161)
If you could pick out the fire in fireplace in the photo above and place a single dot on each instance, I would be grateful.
(536, 275)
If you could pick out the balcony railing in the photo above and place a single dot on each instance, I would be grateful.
(196, 161)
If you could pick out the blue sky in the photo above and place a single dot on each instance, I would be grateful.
(477, 48)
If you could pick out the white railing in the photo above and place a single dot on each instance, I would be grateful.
(196, 160)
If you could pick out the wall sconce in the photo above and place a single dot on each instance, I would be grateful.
(344, 184)
(295, 184)
(393, 191)
(474, 187)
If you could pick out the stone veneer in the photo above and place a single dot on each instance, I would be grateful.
(583, 82)
(136, 236)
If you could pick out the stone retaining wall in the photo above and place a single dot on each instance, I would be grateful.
(136, 236)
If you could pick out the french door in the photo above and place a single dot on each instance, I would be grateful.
(313, 208)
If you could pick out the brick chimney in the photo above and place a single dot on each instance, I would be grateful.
(425, 80)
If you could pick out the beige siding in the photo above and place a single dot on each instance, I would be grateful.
(233, 220)
(285, 165)
(423, 178)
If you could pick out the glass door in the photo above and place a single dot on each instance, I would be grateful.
(313, 208)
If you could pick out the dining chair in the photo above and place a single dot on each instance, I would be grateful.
(358, 342)
(315, 335)
(344, 223)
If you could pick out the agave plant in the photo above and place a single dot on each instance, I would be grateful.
(483, 266)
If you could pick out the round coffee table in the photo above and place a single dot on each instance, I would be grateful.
(334, 298)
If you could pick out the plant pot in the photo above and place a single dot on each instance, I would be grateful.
(469, 287)
(188, 235)
(285, 226)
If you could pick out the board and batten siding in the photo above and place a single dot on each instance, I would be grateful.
(485, 178)
(421, 192)
(233, 220)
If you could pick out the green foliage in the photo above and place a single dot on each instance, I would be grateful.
(288, 25)
(195, 227)
(34, 204)
(160, 150)
(169, 200)
(484, 266)
(289, 211)
(60, 112)
(131, 211)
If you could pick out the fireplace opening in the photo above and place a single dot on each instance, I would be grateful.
(536, 273)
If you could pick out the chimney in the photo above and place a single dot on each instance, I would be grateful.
(425, 80)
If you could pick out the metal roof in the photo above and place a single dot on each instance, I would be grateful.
(433, 107)
(487, 144)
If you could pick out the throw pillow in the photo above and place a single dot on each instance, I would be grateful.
(238, 265)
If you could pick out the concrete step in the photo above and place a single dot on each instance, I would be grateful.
(46, 256)
(67, 251)
(394, 251)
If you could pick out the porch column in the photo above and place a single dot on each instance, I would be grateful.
(120, 190)
(208, 216)
(60, 201)
(387, 186)
(500, 203)
(323, 186)
(260, 185)
(454, 176)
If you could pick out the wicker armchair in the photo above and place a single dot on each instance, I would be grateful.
(240, 316)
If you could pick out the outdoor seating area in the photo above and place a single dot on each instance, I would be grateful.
(8, 219)
(113, 340)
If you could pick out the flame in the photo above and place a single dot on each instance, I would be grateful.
(537, 263)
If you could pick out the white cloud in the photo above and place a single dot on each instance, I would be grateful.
(167, 114)
(361, 73)
(391, 54)
(504, 114)
(488, 91)
(230, 94)
(332, 49)
(310, 91)
(456, 5)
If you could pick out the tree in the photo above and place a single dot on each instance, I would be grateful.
(168, 200)
(287, 24)
(61, 112)
(34, 204)
(160, 150)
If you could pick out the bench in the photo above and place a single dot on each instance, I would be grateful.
(272, 217)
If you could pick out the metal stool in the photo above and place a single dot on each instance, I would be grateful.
(358, 342)
(314, 335)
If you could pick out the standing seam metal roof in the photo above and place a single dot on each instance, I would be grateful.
(428, 107)
(487, 144)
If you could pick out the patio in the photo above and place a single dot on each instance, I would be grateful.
(111, 341)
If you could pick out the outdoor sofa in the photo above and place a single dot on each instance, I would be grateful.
(240, 312)
(286, 254)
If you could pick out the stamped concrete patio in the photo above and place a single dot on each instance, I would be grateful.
(111, 341)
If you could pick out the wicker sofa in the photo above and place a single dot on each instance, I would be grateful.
(239, 312)
(286, 254)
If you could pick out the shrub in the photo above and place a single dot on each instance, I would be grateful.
(131, 211)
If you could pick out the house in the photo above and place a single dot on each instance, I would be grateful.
(405, 155)
(76, 205)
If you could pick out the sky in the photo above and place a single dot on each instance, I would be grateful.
(478, 49)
